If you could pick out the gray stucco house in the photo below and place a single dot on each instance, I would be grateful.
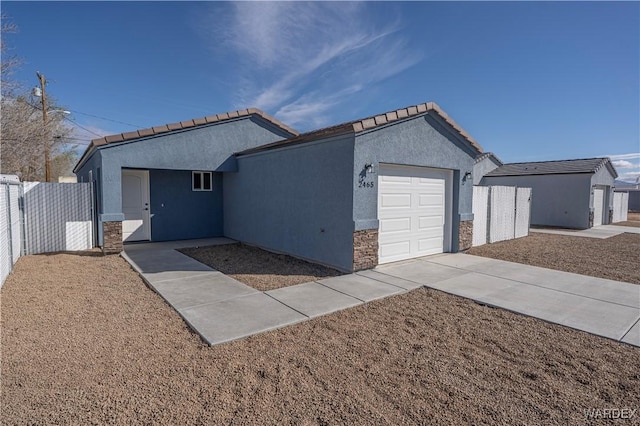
(384, 188)
(566, 193)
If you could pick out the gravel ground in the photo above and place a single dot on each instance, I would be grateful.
(614, 258)
(260, 269)
(84, 341)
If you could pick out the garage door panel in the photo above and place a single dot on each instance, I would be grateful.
(396, 180)
(395, 201)
(428, 211)
(428, 200)
(426, 182)
(411, 212)
(401, 224)
(431, 245)
(395, 250)
(428, 222)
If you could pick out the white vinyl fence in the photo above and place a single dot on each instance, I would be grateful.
(37, 217)
(10, 230)
(500, 213)
(620, 206)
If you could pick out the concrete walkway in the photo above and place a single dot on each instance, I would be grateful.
(602, 231)
(221, 309)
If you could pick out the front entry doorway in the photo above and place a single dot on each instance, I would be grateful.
(135, 206)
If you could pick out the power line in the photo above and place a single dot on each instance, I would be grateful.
(71, 139)
(107, 119)
(82, 127)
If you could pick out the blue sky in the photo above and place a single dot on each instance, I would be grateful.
(530, 80)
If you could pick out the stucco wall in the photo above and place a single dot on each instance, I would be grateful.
(483, 167)
(179, 213)
(296, 200)
(556, 200)
(422, 141)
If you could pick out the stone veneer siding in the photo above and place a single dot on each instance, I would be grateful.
(465, 235)
(365, 249)
(591, 219)
(112, 237)
(610, 216)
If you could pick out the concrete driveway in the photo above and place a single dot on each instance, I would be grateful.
(221, 309)
(602, 231)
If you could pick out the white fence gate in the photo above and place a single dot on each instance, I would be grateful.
(57, 217)
(620, 206)
(37, 217)
(500, 213)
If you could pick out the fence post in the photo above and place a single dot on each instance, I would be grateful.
(23, 222)
(515, 212)
(9, 223)
(488, 230)
(94, 216)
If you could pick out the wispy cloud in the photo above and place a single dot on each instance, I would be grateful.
(298, 60)
(631, 156)
(627, 165)
(624, 164)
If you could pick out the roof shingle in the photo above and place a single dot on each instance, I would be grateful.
(166, 128)
(583, 165)
(372, 122)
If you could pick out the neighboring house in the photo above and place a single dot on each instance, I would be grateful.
(385, 188)
(566, 193)
(484, 163)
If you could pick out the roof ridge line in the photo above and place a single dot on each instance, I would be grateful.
(556, 161)
(411, 111)
(186, 124)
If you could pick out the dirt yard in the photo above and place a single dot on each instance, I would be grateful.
(633, 219)
(614, 258)
(84, 341)
(260, 269)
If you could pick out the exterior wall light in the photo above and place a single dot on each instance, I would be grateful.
(368, 167)
(467, 176)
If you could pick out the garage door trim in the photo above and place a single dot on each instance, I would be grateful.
(418, 216)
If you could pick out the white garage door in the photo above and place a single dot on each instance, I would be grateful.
(413, 211)
(598, 206)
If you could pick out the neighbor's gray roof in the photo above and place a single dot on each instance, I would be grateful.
(369, 123)
(585, 165)
(187, 124)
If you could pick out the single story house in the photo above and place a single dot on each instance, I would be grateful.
(380, 189)
(566, 193)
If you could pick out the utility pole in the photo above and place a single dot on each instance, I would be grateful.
(47, 148)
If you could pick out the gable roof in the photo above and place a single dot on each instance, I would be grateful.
(585, 165)
(366, 124)
(187, 124)
(486, 155)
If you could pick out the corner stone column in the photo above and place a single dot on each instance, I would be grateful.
(465, 235)
(112, 237)
(365, 249)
